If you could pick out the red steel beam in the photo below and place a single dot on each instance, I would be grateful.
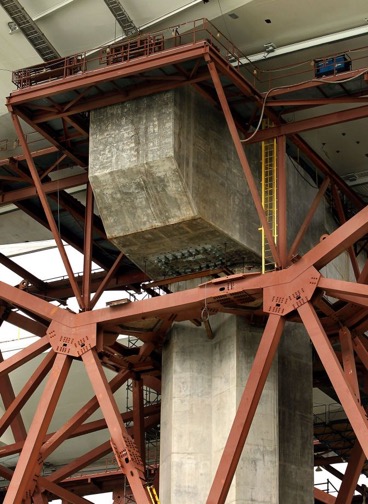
(95, 454)
(7, 394)
(328, 171)
(361, 348)
(323, 496)
(108, 73)
(53, 166)
(282, 201)
(88, 243)
(101, 288)
(342, 218)
(34, 154)
(308, 218)
(151, 412)
(246, 410)
(347, 291)
(48, 187)
(24, 472)
(352, 407)
(338, 241)
(23, 356)
(112, 98)
(355, 465)
(348, 360)
(33, 304)
(81, 462)
(63, 493)
(31, 385)
(243, 159)
(138, 419)
(126, 456)
(80, 416)
(26, 323)
(312, 123)
(22, 272)
(47, 210)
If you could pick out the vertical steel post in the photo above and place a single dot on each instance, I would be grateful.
(281, 200)
(88, 242)
(138, 418)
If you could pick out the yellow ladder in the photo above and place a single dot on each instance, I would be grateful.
(153, 494)
(269, 195)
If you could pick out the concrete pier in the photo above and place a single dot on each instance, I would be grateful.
(166, 166)
(202, 384)
(172, 195)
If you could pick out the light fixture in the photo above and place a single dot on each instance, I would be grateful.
(270, 47)
(319, 469)
(12, 27)
(305, 44)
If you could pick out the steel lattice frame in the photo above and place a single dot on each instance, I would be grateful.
(295, 290)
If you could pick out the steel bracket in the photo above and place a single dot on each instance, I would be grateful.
(283, 298)
(73, 341)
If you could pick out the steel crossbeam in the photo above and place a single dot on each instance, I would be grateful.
(296, 291)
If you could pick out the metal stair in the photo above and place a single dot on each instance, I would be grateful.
(122, 17)
(30, 29)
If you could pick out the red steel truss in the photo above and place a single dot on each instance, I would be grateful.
(295, 290)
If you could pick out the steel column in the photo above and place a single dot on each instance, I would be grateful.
(282, 200)
(352, 407)
(348, 360)
(45, 205)
(123, 446)
(138, 419)
(352, 473)
(242, 158)
(80, 416)
(24, 472)
(246, 410)
(8, 397)
(88, 243)
(31, 385)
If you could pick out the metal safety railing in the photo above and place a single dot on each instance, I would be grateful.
(327, 413)
(328, 487)
(130, 48)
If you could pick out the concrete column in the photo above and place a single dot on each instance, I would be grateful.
(202, 384)
(295, 398)
(186, 416)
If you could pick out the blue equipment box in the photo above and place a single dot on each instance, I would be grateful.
(332, 66)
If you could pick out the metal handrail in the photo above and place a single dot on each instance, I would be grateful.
(127, 49)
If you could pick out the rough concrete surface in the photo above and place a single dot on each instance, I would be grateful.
(169, 186)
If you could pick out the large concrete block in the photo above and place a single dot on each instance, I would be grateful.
(169, 185)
